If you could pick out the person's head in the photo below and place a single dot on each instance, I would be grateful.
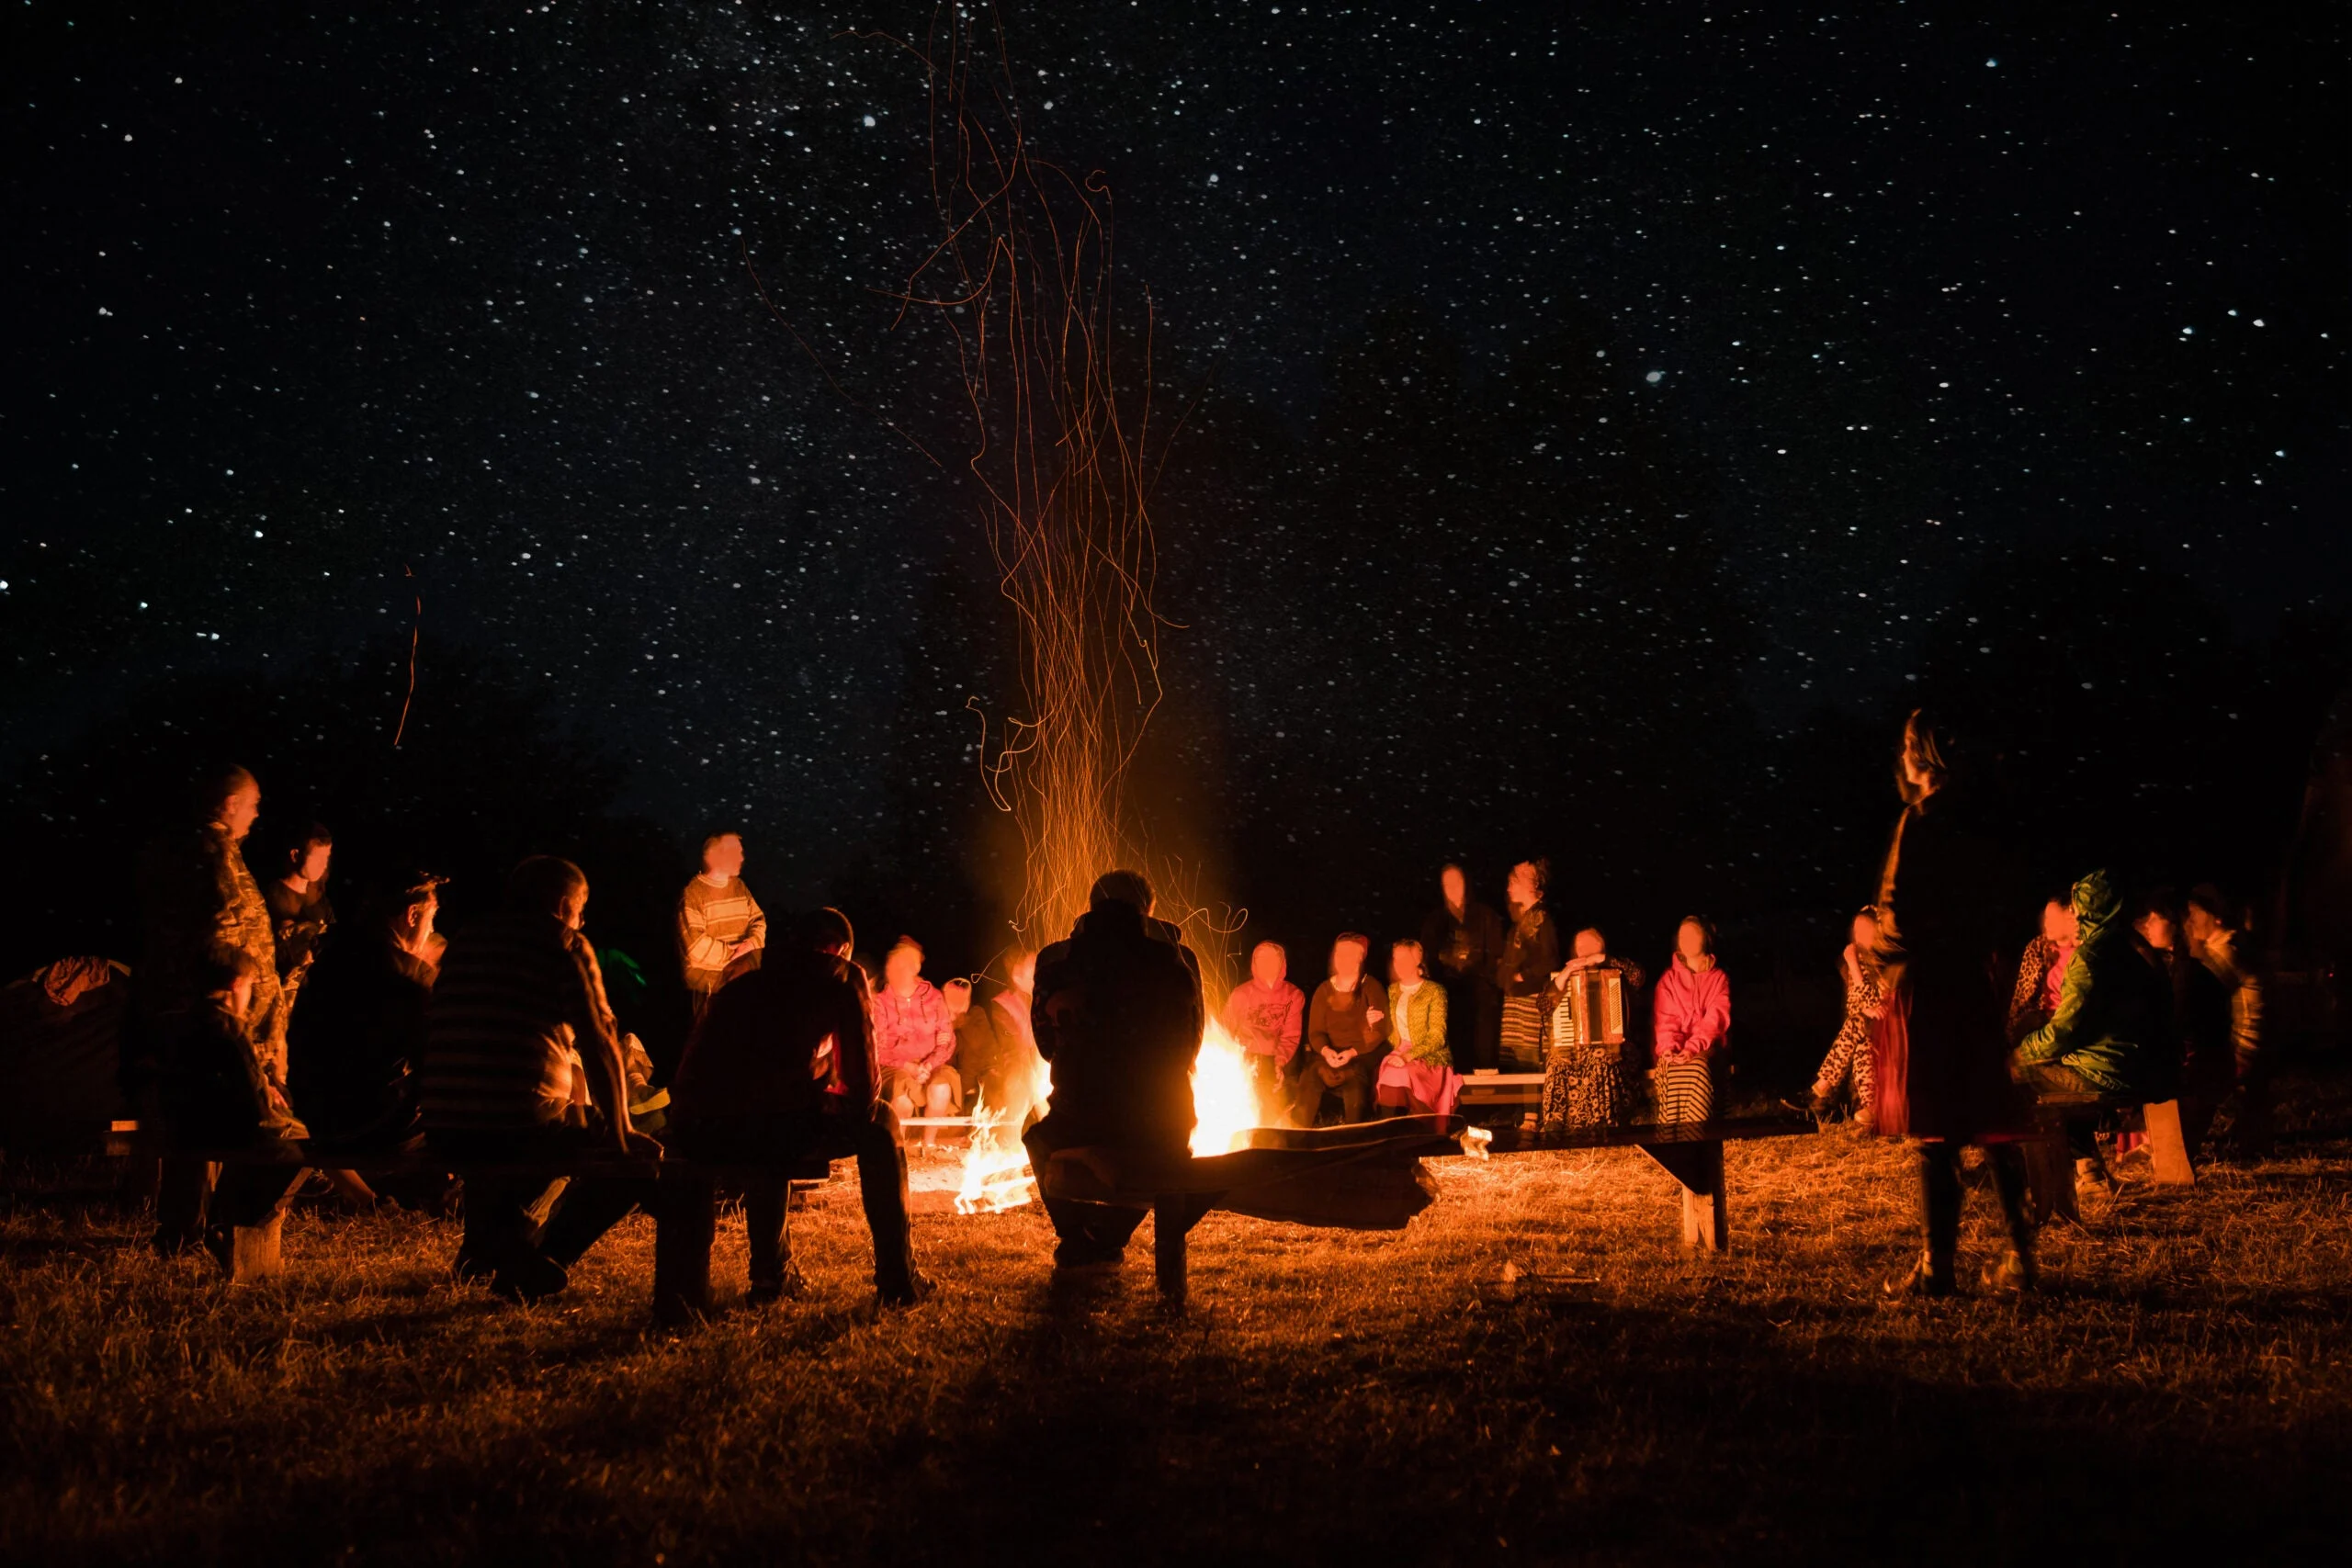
(1405, 962)
(1024, 970)
(723, 855)
(1864, 930)
(2210, 913)
(827, 930)
(230, 974)
(2058, 924)
(1455, 885)
(1268, 964)
(548, 885)
(958, 995)
(1694, 941)
(1347, 955)
(1528, 881)
(411, 910)
(2156, 915)
(1924, 765)
(1127, 888)
(229, 797)
(902, 965)
(1589, 943)
(308, 852)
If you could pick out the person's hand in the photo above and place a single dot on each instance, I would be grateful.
(1345, 1057)
(1373, 1015)
(820, 1060)
(741, 948)
(1331, 1058)
(640, 1146)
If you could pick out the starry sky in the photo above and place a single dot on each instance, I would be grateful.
(571, 319)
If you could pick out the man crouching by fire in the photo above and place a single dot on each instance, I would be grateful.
(1117, 1010)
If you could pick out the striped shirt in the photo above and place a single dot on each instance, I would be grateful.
(710, 921)
(516, 991)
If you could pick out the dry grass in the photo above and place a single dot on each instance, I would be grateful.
(2183, 1386)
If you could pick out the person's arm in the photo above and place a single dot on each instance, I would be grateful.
(697, 949)
(1294, 1027)
(1430, 1039)
(854, 1049)
(1319, 1023)
(1669, 1024)
(756, 933)
(942, 1032)
(600, 1053)
(2032, 964)
(2055, 1039)
(1714, 1018)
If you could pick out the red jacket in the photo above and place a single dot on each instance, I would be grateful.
(1690, 1011)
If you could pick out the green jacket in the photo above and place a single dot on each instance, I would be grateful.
(2107, 1015)
(1425, 1012)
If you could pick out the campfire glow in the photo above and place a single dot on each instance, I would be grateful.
(996, 1167)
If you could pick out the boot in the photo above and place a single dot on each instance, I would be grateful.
(1931, 1276)
(2013, 1275)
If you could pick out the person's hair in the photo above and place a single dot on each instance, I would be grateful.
(2156, 901)
(1402, 942)
(1867, 912)
(2218, 904)
(297, 844)
(1278, 947)
(1458, 868)
(544, 884)
(1127, 888)
(1542, 870)
(827, 929)
(406, 892)
(904, 943)
(1925, 734)
(1595, 930)
(221, 967)
(2062, 896)
(1706, 932)
(1356, 937)
(215, 786)
(711, 843)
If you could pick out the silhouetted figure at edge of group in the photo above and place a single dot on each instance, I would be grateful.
(1943, 1070)
(1464, 940)
(1118, 1013)
(782, 1066)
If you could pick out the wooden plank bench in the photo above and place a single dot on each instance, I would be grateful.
(2050, 1169)
(1690, 1151)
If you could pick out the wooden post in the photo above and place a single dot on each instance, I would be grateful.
(1698, 1164)
(1167, 1246)
(2167, 1149)
(253, 1253)
(684, 1223)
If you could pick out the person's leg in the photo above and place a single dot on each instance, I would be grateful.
(1939, 1201)
(882, 1188)
(765, 1232)
(181, 1197)
(1486, 1008)
(1864, 1067)
(1356, 1086)
(499, 1235)
(2008, 1161)
(939, 1100)
(590, 1206)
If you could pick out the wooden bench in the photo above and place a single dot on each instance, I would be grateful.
(1690, 1151)
(2050, 1168)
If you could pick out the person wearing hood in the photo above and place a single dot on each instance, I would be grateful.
(1691, 1024)
(2113, 1012)
(1117, 1010)
(1937, 1046)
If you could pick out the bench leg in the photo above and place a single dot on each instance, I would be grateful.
(1706, 1214)
(253, 1255)
(2167, 1149)
(1167, 1246)
(684, 1223)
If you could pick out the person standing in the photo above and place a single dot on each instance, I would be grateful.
(1849, 1053)
(2217, 941)
(1691, 1025)
(196, 895)
(1267, 1016)
(1464, 940)
(1347, 1034)
(1524, 970)
(299, 914)
(719, 920)
(215, 1098)
(1942, 1074)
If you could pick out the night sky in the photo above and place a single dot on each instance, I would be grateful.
(1764, 341)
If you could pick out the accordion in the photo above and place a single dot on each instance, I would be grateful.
(1592, 1009)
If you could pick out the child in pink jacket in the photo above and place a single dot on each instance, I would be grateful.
(1691, 1023)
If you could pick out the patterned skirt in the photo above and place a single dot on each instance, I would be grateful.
(1522, 1043)
(1585, 1086)
(1686, 1090)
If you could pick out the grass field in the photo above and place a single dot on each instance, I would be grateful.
(1534, 1372)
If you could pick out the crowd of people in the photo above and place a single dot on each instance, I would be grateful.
(259, 1020)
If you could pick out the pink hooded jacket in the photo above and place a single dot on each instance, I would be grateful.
(1690, 1011)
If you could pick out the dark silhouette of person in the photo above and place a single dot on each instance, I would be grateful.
(1118, 1012)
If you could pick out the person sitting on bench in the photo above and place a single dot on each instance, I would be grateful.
(915, 1034)
(1266, 1015)
(1118, 1013)
(356, 1041)
(1347, 1035)
(2113, 1010)
(1416, 1078)
(521, 1066)
(216, 1099)
(782, 1069)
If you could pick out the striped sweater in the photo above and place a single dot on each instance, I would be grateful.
(712, 921)
(516, 991)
